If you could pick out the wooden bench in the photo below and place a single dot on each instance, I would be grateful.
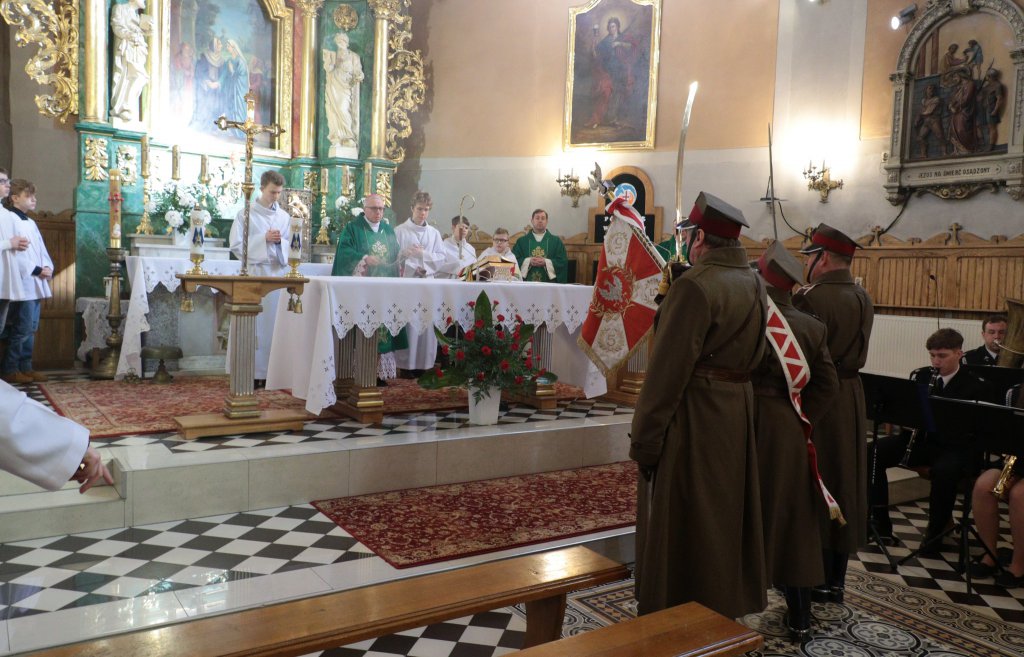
(688, 630)
(298, 627)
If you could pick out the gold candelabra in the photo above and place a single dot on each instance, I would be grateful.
(145, 227)
(820, 180)
(571, 187)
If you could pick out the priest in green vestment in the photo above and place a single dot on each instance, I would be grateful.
(541, 255)
(367, 247)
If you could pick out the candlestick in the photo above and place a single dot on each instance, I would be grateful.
(115, 208)
(145, 156)
(196, 239)
(204, 169)
(175, 163)
(324, 181)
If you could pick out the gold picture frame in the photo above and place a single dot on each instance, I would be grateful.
(164, 101)
(611, 89)
(306, 196)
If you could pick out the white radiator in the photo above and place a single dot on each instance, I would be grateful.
(897, 343)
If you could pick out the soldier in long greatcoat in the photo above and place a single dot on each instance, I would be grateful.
(840, 435)
(699, 531)
(791, 500)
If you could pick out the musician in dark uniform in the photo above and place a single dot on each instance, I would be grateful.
(839, 436)
(699, 535)
(948, 457)
(791, 499)
(985, 507)
(993, 332)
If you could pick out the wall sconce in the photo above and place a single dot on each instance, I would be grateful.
(820, 180)
(904, 17)
(570, 185)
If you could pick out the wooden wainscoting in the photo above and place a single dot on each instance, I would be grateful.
(55, 341)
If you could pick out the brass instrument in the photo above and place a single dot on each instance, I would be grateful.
(905, 461)
(1011, 350)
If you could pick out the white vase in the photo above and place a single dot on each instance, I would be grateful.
(485, 411)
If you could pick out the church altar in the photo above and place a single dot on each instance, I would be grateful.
(176, 246)
(145, 274)
(306, 361)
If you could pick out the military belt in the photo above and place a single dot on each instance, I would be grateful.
(722, 374)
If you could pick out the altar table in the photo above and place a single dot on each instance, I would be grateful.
(145, 274)
(305, 355)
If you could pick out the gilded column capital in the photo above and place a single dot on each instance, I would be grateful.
(385, 9)
(310, 7)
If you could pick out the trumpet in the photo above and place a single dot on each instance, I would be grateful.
(905, 461)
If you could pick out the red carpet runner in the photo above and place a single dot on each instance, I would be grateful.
(423, 525)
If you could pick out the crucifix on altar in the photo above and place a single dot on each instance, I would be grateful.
(245, 293)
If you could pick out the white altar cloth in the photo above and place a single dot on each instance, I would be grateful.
(145, 274)
(333, 306)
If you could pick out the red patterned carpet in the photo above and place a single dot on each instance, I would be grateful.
(423, 525)
(115, 408)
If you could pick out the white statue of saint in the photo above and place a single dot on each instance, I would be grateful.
(131, 29)
(344, 72)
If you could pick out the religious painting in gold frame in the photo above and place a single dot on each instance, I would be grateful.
(206, 55)
(611, 89)
(306, 196)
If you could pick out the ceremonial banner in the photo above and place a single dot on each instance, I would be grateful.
(798, 374)
(622, 309)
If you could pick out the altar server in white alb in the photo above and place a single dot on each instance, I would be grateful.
(269, 234)
(458, 252)
(36, 270)
(40, 446)
(11, 243)
(421, 255)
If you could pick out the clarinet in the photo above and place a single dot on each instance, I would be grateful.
(904, 462)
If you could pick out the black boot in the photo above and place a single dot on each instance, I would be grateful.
(821, 593)
(798, 620)
(837, 577)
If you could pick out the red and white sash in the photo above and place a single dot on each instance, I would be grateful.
(798, 374)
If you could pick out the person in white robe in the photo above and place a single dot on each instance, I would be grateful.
(40, 446)
(500, 248)
(11, 244)
(269, 234)
(421, 255)
(458, 253)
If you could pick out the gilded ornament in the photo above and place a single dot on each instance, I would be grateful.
(310, 180)
(95, 158)
(345, 17)
(383, 186)
(310, 6)
(53, 27)
(387, 9)
(407, 86)
(126, 164)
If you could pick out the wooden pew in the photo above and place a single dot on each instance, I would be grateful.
(298, 627)
(688, 630)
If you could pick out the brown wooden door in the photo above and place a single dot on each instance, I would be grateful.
(55, 340)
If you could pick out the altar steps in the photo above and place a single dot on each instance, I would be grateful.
(159, 485)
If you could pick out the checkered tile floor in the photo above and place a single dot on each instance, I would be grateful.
(330, 428)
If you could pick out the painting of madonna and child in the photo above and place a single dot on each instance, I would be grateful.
(220, 49)
(959, 96)
(612, 74)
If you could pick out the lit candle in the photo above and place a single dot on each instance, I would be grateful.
(145, 156)
(324, 180)
(175, 163)
(196, 232)
(115, 208)
(204, 169)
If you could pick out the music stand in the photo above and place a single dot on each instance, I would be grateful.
(894, 401)
(996, 429)
(1000, 378)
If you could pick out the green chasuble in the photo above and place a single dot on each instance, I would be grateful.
(357, 239)
(549, 247)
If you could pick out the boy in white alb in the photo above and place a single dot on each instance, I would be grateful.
(458, 253)
(36, 269)
(421, 255)
(269, 234)
(11, 243)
